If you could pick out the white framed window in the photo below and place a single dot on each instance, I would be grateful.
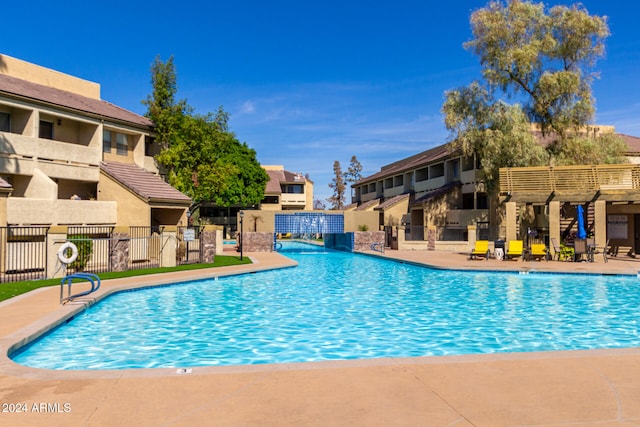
(5, 122)
(121, 144)
(106, 141)
(46, 129)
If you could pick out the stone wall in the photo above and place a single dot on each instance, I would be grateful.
(257, 242)
(208, 244)
(362, 240)
(119, 251)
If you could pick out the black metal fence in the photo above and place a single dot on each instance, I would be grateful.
(94, 248)
(189, 250)
(23, 253)
(23, 250)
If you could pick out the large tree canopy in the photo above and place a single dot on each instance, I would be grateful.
(489, 130)
(546, 55)
(543, 59)
(203, 159)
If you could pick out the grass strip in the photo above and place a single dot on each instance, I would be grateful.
(12, 289)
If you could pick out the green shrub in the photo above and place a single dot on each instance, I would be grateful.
(84, 244)
(364, 227)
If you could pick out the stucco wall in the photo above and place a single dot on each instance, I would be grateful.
(131, 209)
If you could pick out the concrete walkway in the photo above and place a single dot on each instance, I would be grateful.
(575, 388)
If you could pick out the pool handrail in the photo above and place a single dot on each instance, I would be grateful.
(69, 280)
(377, 247)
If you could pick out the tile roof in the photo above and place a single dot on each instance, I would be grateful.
(440, 191)
(276, 177)
(417, 160)
(50, 95)
(393, 201)
(367, 206)
(143, 183)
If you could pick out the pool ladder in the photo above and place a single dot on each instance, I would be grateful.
(95, 285)
(377, 247)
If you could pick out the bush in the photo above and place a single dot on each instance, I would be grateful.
(363, 227)
(84, 244)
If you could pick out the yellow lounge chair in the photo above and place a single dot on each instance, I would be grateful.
(514, 250)
(539, 251)
(480, 250)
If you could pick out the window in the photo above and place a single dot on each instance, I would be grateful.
(422, 174)
(482, 201)
(5, 122)
(121, 144)
(46, 130)
(148, 145)
(106, 141)
(437, 170)
(467, 201)
(292, 188)
(270, 200)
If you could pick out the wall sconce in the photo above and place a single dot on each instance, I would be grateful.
(59, 122)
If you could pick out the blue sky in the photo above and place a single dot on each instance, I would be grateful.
(305, 83)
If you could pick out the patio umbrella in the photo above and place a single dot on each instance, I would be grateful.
(582, 233)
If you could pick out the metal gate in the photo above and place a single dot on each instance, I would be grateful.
(189, 250)
(23, 253)
(145, 247)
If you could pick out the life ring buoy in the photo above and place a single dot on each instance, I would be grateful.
(62, 253)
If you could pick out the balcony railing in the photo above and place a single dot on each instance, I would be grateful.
(461, 218)
(290, 199)
(569, 179)
(60, 212)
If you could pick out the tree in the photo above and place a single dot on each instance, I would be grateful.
(545, 59)
(338, 186)
(547, 56)
(319, 205)
(497, 133)
(202, 158)
(353, 173)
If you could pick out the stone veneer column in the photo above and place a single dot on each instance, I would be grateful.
(432, 236)
(119, 249)
(208, 243)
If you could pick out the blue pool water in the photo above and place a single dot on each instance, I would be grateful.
(337, 306)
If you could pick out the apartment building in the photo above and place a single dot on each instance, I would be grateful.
(67, 157)
(435, 188)
(287, 190)
(440, 192)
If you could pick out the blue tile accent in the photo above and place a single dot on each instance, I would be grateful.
(309, 223)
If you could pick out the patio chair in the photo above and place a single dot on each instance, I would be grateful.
(481, 249)
(514, 250)
(580, 249)
(605, 251)
(539, 251)
(562, 253)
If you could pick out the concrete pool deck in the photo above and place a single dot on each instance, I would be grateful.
(571, 388)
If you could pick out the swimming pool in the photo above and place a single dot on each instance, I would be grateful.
(337, 306)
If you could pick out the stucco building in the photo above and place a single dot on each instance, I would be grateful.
(437, 195)
(67, 157)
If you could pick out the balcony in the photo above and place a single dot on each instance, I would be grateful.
(25, 211)
(21, 154)
(290, 199)
(461, 218)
